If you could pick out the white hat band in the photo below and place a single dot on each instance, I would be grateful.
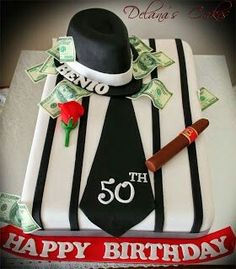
(109, 79)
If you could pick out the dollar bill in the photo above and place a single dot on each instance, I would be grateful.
(148, 61)
(9, 212)
(156, 91)
(35, 74)
(15, 213)
(28, 224)
(144, 65)
(206, 98)
(63, 92)
(49, 67)
(54, 51)
(162, 59)
(139, 45)
(66, 49)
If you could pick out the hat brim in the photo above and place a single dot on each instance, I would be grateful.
(129, 89)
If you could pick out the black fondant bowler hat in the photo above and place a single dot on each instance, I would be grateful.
(103, 51)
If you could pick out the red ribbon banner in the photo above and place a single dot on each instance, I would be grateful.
(120, 250)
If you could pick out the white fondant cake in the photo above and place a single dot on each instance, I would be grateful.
(179, 200)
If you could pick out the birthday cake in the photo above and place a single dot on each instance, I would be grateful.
(99, 181)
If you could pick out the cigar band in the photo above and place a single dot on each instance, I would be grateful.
(190, 133)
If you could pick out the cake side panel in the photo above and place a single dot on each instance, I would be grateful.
(17, 123)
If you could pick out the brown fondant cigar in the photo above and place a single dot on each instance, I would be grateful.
(184, 139)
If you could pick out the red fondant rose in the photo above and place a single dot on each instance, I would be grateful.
(70, 114)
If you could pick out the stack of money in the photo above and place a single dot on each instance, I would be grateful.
(15, 213)
(156, 91)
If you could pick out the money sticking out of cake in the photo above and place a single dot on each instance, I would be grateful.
(134, 96)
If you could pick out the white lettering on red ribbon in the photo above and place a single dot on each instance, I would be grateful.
(81, 247)
(68, 247)
(190, 252)
(137, 251)
(29, 246)
(13, 241)
(48, 246)
(111, 250)
(208, 250)
(171, 253)
(220, 244)
(124, 249)
(64, 247)
(153, 250)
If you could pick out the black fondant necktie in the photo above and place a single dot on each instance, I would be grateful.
(118, 194)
